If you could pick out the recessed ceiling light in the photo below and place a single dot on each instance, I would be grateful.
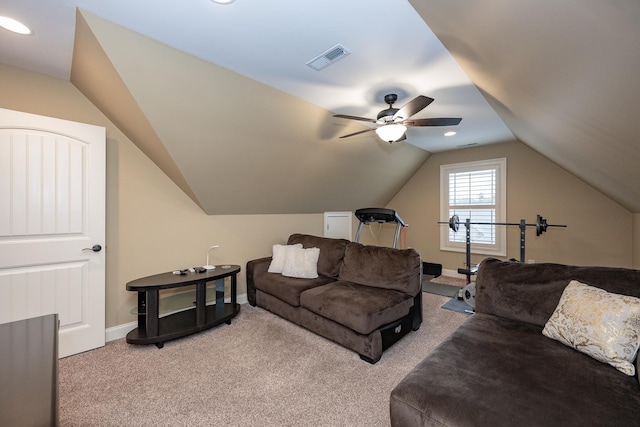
(223, 1)
(450, 133)
(14, 26)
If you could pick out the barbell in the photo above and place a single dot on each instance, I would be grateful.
(540, 225)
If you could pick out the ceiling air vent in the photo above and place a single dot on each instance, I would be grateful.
(328, 57)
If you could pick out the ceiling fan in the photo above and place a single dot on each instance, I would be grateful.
(394, 122)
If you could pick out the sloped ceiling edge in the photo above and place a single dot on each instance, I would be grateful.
(94, 76)
(564, 81)
(241, 146)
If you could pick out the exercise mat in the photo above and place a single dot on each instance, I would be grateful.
(440, 288)
(458, 305)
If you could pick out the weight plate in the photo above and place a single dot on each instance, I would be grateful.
(454, 223)
(469, 294)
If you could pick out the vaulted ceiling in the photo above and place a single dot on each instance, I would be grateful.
(220, 98)
(237, 146)
(562, 75)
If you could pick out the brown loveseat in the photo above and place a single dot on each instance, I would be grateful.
(498, 369)
(364, 298)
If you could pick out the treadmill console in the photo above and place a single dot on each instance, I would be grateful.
(369, 215)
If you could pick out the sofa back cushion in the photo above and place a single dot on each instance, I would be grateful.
(331, 252)
(530, 292)
(381, 267)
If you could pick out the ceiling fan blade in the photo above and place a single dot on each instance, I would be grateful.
(362, 119)
(442, 121)
(412, 107)
(356, 133)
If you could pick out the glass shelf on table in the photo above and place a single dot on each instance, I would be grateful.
(181, 301)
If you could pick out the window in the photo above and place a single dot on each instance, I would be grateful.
(474, 190)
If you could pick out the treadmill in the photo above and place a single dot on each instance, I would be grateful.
(368, 215)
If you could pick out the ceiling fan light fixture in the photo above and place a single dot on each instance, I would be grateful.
(391, 132)
(223, 1)
(14, 26)
(394, 121)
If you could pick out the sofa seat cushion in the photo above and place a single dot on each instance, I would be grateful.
(358, 307)
(287, 289)
(500, 372)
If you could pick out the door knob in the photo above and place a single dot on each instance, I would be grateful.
(94, 248)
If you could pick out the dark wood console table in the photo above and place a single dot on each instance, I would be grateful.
(154, 329)
(29, 372)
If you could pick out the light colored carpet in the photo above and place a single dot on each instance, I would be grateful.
(259, 371)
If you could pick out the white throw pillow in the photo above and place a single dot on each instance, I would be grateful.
(279, 255)
(603, 325)
(301, 263)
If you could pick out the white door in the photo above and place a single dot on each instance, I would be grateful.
(52, 212)
(337, 225)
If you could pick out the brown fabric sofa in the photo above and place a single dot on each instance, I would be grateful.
(498, 369)
(365, 297)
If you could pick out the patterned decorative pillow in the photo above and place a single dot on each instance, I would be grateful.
(301, 263)
(603, 325)
(278, 257)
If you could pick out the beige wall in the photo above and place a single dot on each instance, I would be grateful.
(152, 226)
(599, 230)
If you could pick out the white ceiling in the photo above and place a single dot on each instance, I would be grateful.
(392, 51)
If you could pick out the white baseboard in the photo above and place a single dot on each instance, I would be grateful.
(121, 331)
(453, 273)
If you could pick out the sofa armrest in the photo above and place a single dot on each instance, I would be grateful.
(255, 267)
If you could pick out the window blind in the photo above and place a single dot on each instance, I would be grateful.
(472, 195)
